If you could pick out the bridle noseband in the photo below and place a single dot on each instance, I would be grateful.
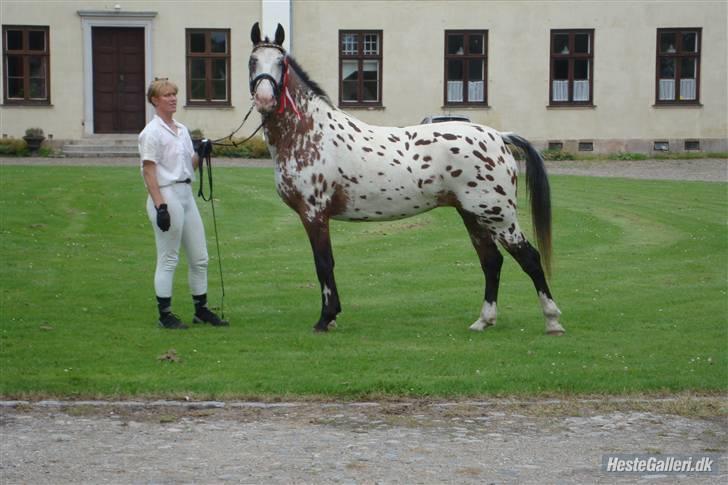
(265, 76)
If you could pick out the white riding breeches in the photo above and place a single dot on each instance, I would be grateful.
(186, 228)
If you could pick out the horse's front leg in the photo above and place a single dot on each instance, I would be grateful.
(323, 256)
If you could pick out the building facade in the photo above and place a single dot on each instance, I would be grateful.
(584, 76)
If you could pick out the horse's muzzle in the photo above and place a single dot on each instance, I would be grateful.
(264, 97)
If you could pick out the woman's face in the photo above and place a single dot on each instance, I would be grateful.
(166, 102)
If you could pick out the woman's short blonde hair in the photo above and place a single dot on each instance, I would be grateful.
(160, 87)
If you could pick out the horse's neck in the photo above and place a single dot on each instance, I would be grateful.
(313, 113)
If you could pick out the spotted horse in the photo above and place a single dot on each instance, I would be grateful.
(330, 165)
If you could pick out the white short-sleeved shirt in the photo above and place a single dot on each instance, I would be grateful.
(172, 153)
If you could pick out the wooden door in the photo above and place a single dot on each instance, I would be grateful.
(118, 69)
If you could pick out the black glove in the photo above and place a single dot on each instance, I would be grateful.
(204, 148)
(163, 220)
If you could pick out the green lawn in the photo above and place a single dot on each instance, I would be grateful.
(640, 275)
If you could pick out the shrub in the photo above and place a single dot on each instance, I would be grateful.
(254, 148)
(34, 133)
(557, 155)
(13, 147)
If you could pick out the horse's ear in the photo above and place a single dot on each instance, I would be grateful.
(280, 35)
(255, 34)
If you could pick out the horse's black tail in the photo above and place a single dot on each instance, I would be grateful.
(537, 185)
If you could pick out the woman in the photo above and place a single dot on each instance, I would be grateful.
(168, 164)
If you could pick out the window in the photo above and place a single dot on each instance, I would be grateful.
(586, 146)
(360, 68)
(208, 67)
(26, 70)
(572, 67)
(466, 67)
(556, 146)
(678, 66)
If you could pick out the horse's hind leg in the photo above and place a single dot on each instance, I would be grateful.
(491, 262)
(530, 261)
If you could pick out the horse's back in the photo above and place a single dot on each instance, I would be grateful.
(396, 172)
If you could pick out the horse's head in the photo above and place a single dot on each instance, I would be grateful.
(267, 69)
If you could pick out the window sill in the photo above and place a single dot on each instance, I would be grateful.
(571, 106)
(27, 105)
(677, 105)
(360, 107)
(467, 107)
(209, 106)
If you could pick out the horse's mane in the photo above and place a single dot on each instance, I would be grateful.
(312, 85)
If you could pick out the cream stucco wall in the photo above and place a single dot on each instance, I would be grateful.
(518, 63)
(65, 118)
(413, 49)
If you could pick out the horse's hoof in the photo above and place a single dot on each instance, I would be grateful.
(324, 327)
(480, 325)
(556, 333)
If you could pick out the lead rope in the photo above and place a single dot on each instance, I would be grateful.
(206, 158)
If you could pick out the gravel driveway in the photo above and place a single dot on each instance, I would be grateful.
(497, 441)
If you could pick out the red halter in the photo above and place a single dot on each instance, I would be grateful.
(286, 98)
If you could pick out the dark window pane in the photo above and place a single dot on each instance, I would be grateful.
(370, 91)
(15, 66)
(219, 90)
(370, 75)
(581, 43)
(37, 89)
(197, 69)
(581, 69)
(36, 40)
(218, 42)
(454, 70)
(561, 69)
(687, 68)
(198, 89)
(561, 44)
(475, 44)
(667, 68)
(15, 88)
(197, 42)
(37, 66)
(14, 39)
(219, 69)
(690, 42)
(667, 42)
(475, 70)
(456, 44)
(349, 91)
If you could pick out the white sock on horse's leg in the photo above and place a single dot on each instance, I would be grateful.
(552, 313)
(487, 317)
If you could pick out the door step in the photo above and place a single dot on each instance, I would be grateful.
(101, 146)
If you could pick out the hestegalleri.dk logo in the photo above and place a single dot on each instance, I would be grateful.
(660, 464)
